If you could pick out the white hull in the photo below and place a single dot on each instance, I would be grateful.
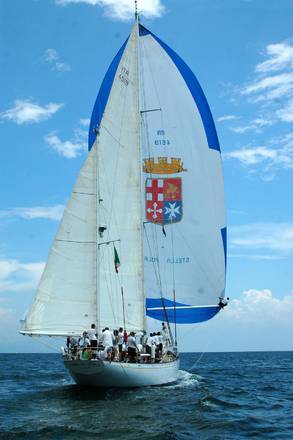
(97, 373)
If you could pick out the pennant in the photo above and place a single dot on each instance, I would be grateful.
(116, 260)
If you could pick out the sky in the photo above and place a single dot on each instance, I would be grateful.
(53, 56)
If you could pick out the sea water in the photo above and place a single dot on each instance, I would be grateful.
(217, 396)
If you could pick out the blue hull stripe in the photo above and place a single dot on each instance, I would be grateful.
(195, 90)
(103, 96)
(184, 313)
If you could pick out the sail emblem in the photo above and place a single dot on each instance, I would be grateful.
(164, 200)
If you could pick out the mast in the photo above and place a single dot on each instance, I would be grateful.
(98, 201)
(136, 17)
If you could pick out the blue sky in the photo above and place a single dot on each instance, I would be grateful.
(54, 54)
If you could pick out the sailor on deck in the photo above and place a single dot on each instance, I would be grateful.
(132, 347)
(107, 341)
(92, 334)
(223, 302)
(166, 338)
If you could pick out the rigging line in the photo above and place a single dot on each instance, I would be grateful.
(164, 270)
(155, 239)
(112, 136)
(123, 307)
(52, 347)
(162, 295)
(173, 275)
(157, 274)
(153, 259)
(121, 282)
(108, 281)
(75, 241)
(86, 193)
(154, 265)
(112, 284)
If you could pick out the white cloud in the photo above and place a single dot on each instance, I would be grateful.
(28, 112)
(255, 125)
(46, 212)
(257, 320)
(123, 9)
(280, 57)
(276, 237)
(5, 314)
(261, 307)
(84, 122)
(275, 87)
(278, 154)
(51, 55)
(53, 58)
(19, 277)
(252, 156)
(69, 149)
(227, 118)
(257, 257)
(274, 90)
(286, 113)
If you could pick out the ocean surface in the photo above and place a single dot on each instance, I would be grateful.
(217, 396)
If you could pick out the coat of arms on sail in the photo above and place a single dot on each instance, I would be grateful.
(164, 200)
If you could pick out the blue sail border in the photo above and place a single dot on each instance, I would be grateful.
(103, 96)
(157, 308)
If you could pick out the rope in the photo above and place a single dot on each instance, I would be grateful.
(52, 347)
(198, 360)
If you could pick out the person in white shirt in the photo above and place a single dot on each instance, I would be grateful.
(156, 338)
(150, 348)
(92, 334)
(132, 347)
(115, 353)
(149, 343)
(107, 341)
(166, 339)
(160, 344)
(120, 342)
(138, 337)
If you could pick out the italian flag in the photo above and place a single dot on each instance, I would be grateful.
(116, 260)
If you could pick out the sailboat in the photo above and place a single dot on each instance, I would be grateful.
(143, 236)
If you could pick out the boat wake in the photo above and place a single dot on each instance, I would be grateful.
(185, 379)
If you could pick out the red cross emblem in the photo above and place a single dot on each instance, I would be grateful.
(164, 200)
